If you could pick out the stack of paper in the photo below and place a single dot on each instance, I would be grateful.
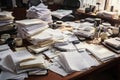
(38, 62)
(24, 61)
(6, 21)
(18, 57)
(29, 27)
(113, 44)
(40, 12)
(61, 13)
(16, 64)
(75, 61)
(85, 30)
(101, 52)
(46, 37)
(6, 16)
(37, 49)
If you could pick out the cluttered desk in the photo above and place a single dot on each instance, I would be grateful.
(70, 50)
(110, 17)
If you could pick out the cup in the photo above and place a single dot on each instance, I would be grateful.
(98, 21)
(18, 41)
(115, 31)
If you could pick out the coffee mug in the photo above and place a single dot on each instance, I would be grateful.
(18, 41)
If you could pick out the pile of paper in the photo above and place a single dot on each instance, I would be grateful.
(46, 37)
(37, 32)
(27, 62)
(38, 62)
(6, 21)
(101, 53)
(7, 65)
(61, 13)
(75, 61)
(86, 30)
(113, 44)
(29, 27)
(16, 64)
(39, 12)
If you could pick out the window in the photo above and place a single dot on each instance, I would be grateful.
(114, 5)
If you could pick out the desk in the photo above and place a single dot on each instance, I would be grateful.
(78, 75)
(82, 15)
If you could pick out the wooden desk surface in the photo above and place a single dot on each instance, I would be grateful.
(77, 75)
